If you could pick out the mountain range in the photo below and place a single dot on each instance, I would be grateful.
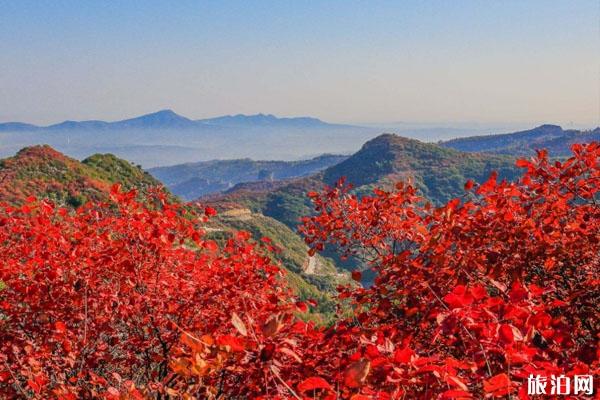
(551, 137)
(166, 138)
(192, 180)
(438, 172)
(169, 119)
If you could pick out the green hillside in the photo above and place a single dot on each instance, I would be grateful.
(439, 173)
(311, 277)
(115, 169)
(44, 172)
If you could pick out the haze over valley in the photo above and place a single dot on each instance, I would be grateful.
(166, 138)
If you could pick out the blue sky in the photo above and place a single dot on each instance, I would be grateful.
(343, 61)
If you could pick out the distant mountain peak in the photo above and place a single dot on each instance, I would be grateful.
(384, 155)
(159, 119)
(549, 126)
(388, 140)
(166, 113)
(163, 115)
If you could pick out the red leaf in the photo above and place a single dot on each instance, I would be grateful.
(357, 275)
(235, 344)
(456, 395)
(313, 383)
(209, 211)
(521, 163)
(505, 332)
(403, 356)
(60, 327)
(469, 184)
(115, 189)
(459, 297)
(498, 385)
(302, 306)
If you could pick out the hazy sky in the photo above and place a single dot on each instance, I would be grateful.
(342, 61)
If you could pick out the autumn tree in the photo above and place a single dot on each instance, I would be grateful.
(95, 303)
(131, 300)
(472, 297)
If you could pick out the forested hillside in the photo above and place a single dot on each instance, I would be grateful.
(438, 173)
(42, 171)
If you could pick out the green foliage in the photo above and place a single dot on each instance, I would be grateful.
(437, 172)
(76, 201)
(117, 170)
(43, 172)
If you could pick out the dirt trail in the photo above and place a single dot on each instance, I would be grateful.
(242, 214)
(311, 265)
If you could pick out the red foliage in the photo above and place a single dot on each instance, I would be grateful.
(472, 297)
(96, 301)
(125, 300)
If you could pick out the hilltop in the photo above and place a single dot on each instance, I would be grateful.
(43, 172)
(439, 173)
(551, 137)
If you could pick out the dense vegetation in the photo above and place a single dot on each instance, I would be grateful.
(130, 299)
(43, 172)
(438, 173)
(310, 277)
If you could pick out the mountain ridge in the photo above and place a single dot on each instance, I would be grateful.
(520, 143)
(167, 118)
(437, 172)
(192, 180)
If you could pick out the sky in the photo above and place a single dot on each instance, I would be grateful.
(432, 62)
